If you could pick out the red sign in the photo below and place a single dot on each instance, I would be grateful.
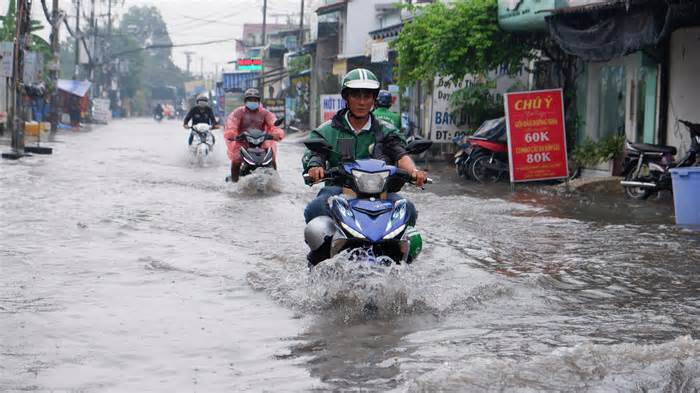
(249, 62)
(536, 135)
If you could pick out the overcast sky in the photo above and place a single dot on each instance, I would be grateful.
(185, 25)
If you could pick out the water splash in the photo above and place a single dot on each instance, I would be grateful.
(357, 290)
(262, 181)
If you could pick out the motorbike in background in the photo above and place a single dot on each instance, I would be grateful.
(484, 156)
(202, 142)
(254, 156)
(461, 157)
(646, 167)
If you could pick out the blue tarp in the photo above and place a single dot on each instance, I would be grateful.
(78, 88)
(239, 80)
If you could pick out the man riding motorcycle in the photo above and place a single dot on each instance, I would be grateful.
(158, 111)
(247, 117)
(360, 88)
(200, 113)
(382, 111)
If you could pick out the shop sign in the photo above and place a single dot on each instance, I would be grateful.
(330, 105)
(6, 51)
(380, 52)
(249, 64)
(445, 124)
(524, 15)
(100, 110)
(340, 67)
(536, 135)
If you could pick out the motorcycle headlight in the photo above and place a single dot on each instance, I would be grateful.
(370, 183)
(395, 232)
(268, 157)
(352, 231)
(398, 215)
(256, 141)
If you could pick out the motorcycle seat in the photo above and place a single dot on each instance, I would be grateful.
(645, 147)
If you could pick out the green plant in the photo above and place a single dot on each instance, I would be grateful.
(478, 102)
(454, 40)
(9, 24)
(298, 64)
(590, 153)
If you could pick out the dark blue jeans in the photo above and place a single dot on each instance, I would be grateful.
(319, 206)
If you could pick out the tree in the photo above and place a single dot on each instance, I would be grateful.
(464, 38)
(457, 39)
(9, 25)
(144, 26)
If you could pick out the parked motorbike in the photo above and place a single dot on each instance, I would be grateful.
(362, 219)
(461, 157)
(203, 141)
(646, 167)
(158, 117)
(487, 156)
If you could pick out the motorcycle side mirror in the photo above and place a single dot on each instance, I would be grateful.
(279, 121)
(418, 146)
(317, 145)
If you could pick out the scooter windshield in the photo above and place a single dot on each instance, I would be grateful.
(492, 130)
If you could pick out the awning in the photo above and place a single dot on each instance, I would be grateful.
(387, 32)
(78, 88)
(603, 31)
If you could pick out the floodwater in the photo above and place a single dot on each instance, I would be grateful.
(125, 268)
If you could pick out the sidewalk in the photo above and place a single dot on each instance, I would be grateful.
(594, 199)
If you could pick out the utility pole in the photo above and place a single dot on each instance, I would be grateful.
(76, 72)
(93, 27)
(14, 118)
(264, 32)
(301, 26)
(108, 54)
(54, 69)
(189, 54)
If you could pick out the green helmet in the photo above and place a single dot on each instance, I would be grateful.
(360, 78)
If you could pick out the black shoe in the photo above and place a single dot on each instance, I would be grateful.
(314, 257)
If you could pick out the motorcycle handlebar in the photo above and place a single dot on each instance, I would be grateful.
(334, 173)
(242, 137)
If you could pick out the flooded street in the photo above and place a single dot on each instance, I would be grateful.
(125, 268)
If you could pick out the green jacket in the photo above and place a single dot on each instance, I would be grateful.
(388, 116)
(332, 132)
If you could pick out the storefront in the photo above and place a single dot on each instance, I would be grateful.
(641, 61)
(620, 97)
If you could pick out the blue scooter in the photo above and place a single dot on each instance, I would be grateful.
(362, 219)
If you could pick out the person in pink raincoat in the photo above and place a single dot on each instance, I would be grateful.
(250, 116)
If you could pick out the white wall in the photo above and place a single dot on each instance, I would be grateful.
(359, 22)
(684, 86)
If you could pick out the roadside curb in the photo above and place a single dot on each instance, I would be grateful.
(593, 185)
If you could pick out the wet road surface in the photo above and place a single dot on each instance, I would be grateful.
(126, 268)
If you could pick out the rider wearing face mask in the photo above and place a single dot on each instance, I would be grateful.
(249, 116)
(200, 113)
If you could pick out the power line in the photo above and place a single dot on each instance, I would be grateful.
(165, 46)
